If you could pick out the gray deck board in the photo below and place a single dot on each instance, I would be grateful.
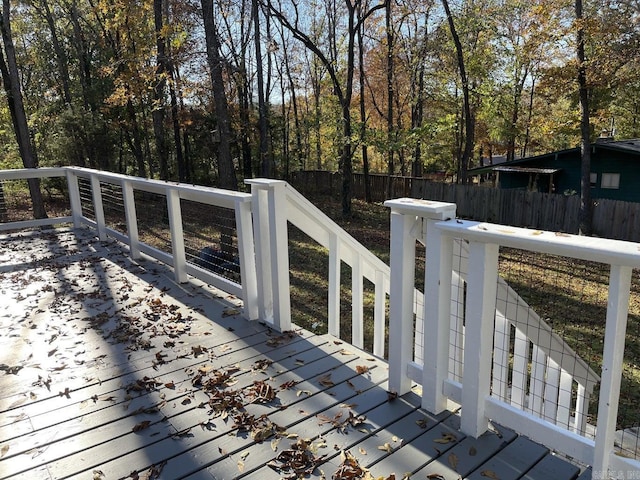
(84, 325)
(552, 467)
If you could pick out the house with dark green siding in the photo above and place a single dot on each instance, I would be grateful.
(615, 171)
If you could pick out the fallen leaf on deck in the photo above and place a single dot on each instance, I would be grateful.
(274, 444)
(435, 476)
(422, 423)
(446, 438)
(240, 466)
(230, 312)
(453, 461)
(326, 381)
(362, 369)
(489, 474)
(141, 425)
(386, 447)
(4, 450)
(362, 451)
(472, 451)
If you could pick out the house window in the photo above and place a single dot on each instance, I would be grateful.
(610, 180)
(594, 179)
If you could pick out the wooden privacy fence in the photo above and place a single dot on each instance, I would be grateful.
(545, 211)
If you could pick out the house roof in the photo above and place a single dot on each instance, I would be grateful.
(546, 171)
(630, 145)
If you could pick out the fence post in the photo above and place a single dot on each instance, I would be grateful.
(131, 218)
(272, 253)
(177, 236)
(614, 339)
(479, 314)
(74, 198)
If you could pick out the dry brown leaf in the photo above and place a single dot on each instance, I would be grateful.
(435, 476)
(240, 466)
(4, 450)
(230, 312)
(489, 474)
(446, 438)
(141, 426)
(326, 381)
(361, 369)
(386, 447)
(453, 461)
(362, 451)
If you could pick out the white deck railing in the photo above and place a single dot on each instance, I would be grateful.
(472, 340)
(479, 386)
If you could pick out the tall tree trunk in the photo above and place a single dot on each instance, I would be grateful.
(585, 217)
(266, 164)
(390, 126)
(134, 139)
(226, 172)
(527, 132)
(469, 120)
(363, 117)
(158, 112)
(11, 83)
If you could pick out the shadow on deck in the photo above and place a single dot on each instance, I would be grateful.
(112, 370)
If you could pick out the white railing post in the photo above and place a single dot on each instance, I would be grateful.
(357, 303)
(333, 314)
(74, 198)
(379, 314)
(480, 314)
(247, 260)
(177, 236)
(131, 219)
(406, 224)
(98, 207)
(272, 253)
(613, 355)
(403, 254)
(438, 277)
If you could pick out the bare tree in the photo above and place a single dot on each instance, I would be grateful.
(11, 84)
(469, 120)
(342, 87)
(585, 219)
(226, 171)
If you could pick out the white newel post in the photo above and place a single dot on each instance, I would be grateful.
(247, 260)
(480, 313)
(403, 255)
(406, 223)
(613, 355)
(74, 198)
(98, 208)
(177, 236)
(131, 219)
(272, 253)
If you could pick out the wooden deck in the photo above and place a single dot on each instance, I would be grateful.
(111, 370)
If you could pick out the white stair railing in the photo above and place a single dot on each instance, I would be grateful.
(275, 204)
